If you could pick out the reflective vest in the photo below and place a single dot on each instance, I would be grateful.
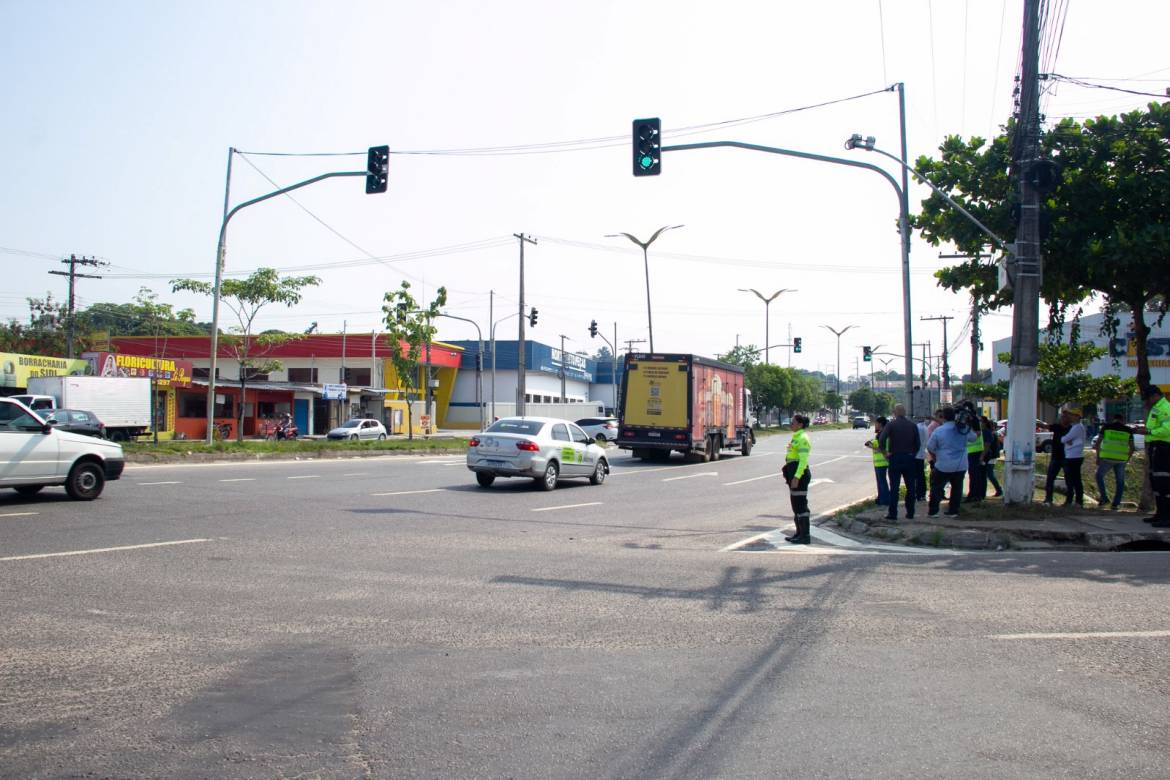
(975, 447)
(1158, 422)
(879, 457)
(1114, 445)
(798, 450)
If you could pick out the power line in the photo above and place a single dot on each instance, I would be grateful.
(1089, 85)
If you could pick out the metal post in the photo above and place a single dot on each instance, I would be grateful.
(905, 229)
(563, 337)
(521, 363)
(219, 257)
(613, 370)
(649, 320)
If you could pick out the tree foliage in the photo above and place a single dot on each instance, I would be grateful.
(1064, 376)
(45, 333)
(1104, 225)
(744, 356)
(409, 327)
(246, 298)
(144, 316)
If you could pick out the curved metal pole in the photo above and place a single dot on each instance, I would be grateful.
(478, 365)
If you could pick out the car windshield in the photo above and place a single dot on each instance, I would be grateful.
(525, 427)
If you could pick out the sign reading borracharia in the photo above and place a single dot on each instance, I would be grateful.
(16, 369)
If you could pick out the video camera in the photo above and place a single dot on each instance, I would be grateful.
(966, 416)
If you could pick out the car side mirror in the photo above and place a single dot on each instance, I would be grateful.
(52, 422)
(47, 428)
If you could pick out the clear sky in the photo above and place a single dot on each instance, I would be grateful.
(118, 117)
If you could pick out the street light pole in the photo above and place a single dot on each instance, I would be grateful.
(646, 264)
(493, 337)
(767, 305)
(478, 365)
(838, 334)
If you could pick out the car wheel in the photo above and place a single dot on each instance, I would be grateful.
(354, 437)
(484, 478)
(746, 448)
(1045, 446)
(549, 480)
(601, 440)
(85, 481)
(29, 490)
(381, 437)
(600, 472)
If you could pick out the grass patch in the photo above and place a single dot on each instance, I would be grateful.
(174, 450)
(1135, 476)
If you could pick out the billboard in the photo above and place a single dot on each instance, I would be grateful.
(165, 372)
(16, 369)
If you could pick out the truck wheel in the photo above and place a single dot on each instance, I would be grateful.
(716, 445)
(29, 490)
(600, 472)
(85, 481)
(746, 447)
(484, 478)
(549, 480)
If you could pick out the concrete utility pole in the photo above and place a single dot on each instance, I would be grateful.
(521, 362)
(1025, 276)
(946, 366)
(73, 262)
(631, 342)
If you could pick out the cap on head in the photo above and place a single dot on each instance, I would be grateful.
(1152, 391)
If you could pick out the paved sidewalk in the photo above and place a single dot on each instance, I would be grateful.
(993, 526)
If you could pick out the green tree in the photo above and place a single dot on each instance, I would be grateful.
(864, 400)
(884, 403)
(743, 356)
(1064, 377)
(144, 316)
(807, 391)
(409, 328)
(1105, 220)
(245, 298)
(834, 401)
(771, 387)
(45, 333)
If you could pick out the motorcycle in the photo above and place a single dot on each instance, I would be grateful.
(287, 429)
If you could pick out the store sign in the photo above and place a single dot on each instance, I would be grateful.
(16, 369)
(164, 371)
(574, 365)
(334, 392)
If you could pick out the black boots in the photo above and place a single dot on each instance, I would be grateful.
(802, 532)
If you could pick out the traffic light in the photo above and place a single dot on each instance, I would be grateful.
(377, 169)
(796, 345)
(593, 329)
(532, 317)
(866, 354)
(400, 312)
(647, 147)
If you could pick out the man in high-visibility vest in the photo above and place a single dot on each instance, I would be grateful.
(1114, 448)
(1158, 451)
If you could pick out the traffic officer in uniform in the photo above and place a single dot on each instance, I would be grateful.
(1114, 449)
(797, 476)
(1158, 451)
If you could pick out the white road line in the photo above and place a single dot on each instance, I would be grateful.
(753, 479)
(1085, 635)
(744, 542)
(103, 550)
(355, 474)
(409, 492)
(240, 479)
(160, 483)
(692, 476)
(830, 460)
(566, 506)
(19, 514)
(819, 481)
(441, 462)
(306, 476)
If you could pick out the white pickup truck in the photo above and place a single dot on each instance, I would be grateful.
(35, 455)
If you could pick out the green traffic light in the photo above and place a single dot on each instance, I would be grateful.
(646, 161)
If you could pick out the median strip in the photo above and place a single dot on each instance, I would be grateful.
(102, 550)
(566, 506)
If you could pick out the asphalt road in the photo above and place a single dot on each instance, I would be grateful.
(385, 617)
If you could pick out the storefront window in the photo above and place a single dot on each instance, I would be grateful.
(192, 405)
(303, 375)
(357, 377)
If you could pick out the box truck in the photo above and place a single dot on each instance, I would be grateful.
(683, 403)
(121, 403)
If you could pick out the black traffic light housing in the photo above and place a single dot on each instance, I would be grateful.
(647, 147)
(593, 329)
(532, 317)
(377, 169)
(866, 354)
(796, 345)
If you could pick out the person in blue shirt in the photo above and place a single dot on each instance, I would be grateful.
(948, 444)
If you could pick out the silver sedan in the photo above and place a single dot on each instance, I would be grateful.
(543, 448)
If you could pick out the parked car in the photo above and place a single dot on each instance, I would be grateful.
(35, 455)
(75, 421)
(860, 421)
(820, 419)
(1043, 436)
(545, 449)
(602, 429)
(359, 429)
(38, 403)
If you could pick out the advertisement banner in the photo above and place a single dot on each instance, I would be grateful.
(165, 372)
(15, 369)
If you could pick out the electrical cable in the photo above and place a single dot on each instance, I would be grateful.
(1089, 85)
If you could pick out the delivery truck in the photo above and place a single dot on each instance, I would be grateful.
(683, 403)
(121, 403)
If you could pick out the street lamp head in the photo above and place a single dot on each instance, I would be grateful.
(855, 141)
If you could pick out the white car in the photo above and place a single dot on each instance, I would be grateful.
(602, 429)
(35, 455)
(543, 448)
(359, 429)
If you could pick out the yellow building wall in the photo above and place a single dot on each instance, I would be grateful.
(396, 399)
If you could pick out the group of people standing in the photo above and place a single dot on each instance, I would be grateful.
(934, 456)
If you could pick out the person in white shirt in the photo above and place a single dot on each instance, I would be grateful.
(1074, 456)
(920, 459)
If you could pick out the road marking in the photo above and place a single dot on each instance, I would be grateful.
(1085, 635)
(441, 462)
(744, 542)
(160, 483)
(240, 479)
(692, 476)
(819, 481)
(19, 514)
(830, 460)
(566, 506)
(102, 550)
(355, 474)
(753, 479)
(409, 492)
(306, 476)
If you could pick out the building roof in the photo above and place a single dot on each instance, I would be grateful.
(316, 345)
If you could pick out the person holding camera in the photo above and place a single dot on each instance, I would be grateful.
(948, 444)
(881, 463)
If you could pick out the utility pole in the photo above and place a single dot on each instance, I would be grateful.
(1025, 276)
(631, 342)
(521, 362)
(73, 262)
(563, 337)
(946, 366)
(341, 377)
